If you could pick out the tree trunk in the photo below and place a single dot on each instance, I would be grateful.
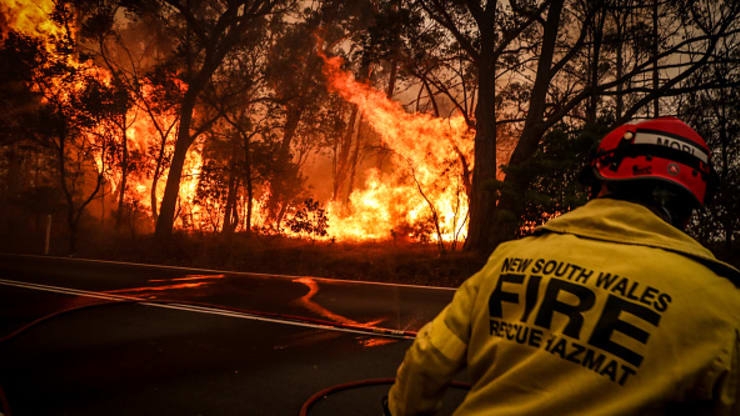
(508, 213)
(248, 181)
(656, 76)
(597, 33)
(153, 193)
(341, 156)
(124, 174)
(392, 79)
(166, 218)
(354, 159)
(230, 26)
(728, 219)
(61, 151)
(231, 215)
(283, 171)
(619, 105)
(483, 193)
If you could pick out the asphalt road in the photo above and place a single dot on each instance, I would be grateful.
(80, 337)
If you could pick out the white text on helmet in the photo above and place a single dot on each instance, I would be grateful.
(674, 143)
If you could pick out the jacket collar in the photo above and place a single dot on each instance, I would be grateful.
(625, 222)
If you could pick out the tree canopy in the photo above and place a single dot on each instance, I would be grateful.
(429, 120)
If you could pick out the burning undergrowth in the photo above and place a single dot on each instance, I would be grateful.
(241, 175)
(123, 149)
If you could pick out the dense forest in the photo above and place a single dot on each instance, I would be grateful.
(148, 125)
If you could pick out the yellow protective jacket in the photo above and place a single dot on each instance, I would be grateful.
(605, 310)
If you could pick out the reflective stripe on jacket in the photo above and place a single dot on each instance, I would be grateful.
(606, 310)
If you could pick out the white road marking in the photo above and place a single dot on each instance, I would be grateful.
(204, 310)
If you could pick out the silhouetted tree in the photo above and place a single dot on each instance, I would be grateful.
(558, 89)
(715, 113)
(206, 34)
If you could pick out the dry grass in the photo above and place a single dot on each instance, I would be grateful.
(408, 263)
(391, 261)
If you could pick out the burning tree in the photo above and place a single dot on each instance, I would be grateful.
(74, 106)
(431, 121)
(206, 35)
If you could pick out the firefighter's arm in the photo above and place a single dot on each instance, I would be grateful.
(720, 389)
(728, 402)
(438, 352)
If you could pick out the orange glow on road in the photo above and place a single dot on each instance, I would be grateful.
(162, 288)
(191, 277)
(307, 302)
(376, 342)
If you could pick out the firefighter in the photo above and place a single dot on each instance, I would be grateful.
(608, 309)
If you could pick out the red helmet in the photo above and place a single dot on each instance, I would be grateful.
(664, 148)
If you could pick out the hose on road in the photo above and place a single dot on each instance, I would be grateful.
(322, 394)
(56, 313)
(4, 405)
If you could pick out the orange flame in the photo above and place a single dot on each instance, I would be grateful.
(429, 184)
(30, 18)
(421, 193)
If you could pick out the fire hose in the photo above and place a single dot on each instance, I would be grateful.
(4, 405)
(322, 394)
